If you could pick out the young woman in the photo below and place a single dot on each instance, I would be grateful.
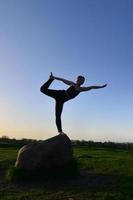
(61, 96)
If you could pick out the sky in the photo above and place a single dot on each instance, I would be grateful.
(92, 38)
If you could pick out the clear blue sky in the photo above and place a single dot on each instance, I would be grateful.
(68, 37)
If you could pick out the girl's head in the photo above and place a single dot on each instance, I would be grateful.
(80, 80)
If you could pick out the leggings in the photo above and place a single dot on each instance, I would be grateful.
(59, 96)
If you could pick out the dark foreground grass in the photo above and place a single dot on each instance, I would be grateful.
(106, 174)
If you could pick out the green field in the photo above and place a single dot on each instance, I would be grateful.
(106, 174)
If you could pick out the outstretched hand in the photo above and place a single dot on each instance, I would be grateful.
(51, 76)
(104, 85)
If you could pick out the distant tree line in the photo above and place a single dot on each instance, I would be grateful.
(5, 141)
(109, 144)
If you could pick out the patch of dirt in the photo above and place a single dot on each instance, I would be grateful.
(91, 179)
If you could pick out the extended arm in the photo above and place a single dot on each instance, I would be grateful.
(61, 79)
(83, 89)
(64, 80)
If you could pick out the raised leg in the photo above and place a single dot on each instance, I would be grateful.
(44, 89)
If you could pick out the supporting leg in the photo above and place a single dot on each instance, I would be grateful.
(58, 111)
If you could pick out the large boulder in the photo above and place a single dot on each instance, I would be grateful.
(53, 153)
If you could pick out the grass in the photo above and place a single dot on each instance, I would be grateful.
(107, 174)
(7, 157)
(105, 161)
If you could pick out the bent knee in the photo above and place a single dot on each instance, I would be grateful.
(43, 90)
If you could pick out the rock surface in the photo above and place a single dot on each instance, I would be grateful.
(55, 152)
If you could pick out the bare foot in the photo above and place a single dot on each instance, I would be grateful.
(51, 76)
(62, 133)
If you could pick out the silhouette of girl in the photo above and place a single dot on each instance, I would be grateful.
(61, 96)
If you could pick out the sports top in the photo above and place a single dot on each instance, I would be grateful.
(71, 92)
